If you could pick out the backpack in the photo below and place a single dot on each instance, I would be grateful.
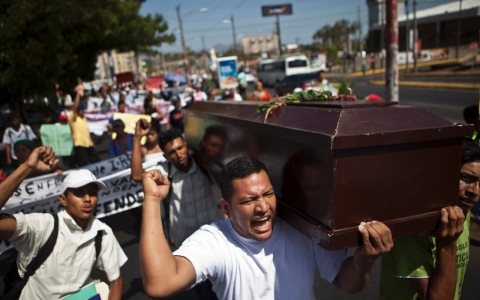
(14, 284)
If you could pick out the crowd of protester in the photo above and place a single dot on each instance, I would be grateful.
(230, 246)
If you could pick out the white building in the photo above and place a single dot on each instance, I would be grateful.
(260, 44)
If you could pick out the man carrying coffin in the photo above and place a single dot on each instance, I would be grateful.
(252, 254)
(81, 240)
(433, 265)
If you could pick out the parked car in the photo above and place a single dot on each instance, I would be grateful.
(290, 83)
(249, 77)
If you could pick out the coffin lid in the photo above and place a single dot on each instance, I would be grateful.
(346, 124)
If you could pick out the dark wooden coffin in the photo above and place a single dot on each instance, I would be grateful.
(334, 165)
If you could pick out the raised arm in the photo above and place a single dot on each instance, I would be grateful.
(356, 271)
(42, 159)
(443, 282)
(78, 95)
(163, 273)
(8, 152)
(141, 129)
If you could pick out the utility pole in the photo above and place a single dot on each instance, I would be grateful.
(360, 38)
(234, 36)
(278, 36)
(203, 43)
(415, 36)
(382, 39)
(185, 54)
(391, 75)
(457, 54)
(360, 41)
(407, 34)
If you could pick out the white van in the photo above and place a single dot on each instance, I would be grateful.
(272, 71)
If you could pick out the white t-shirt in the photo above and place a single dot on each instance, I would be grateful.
(282, 267)
(11, 136)
(68, 267)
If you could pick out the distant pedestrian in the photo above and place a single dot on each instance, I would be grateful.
(105, 103)
(149, 108)
(260, 94)
(242, 83)
(84, 150)
(16, 132)
(176, 115)
(123, 141)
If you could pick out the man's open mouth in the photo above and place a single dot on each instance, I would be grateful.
(259, 223)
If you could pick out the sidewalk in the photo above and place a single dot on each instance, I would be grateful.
(401, 67)
(432, 85)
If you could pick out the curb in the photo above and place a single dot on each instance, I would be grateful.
(403, 67)
(442, 74)
(441, 85)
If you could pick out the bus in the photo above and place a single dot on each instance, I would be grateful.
(272, 71)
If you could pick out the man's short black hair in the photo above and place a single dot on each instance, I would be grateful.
(470, 151)
(168, 137)
(238, 168)
(216, 131)
(120, 103)
(320, 72)
(156, 126)
(470, 114)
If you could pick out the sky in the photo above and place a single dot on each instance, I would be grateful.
(308, 16)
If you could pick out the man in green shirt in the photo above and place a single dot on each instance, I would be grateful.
(433, 266)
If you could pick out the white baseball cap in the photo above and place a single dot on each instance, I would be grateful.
(79, 178)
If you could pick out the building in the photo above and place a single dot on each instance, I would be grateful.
(437, 26)
(260, 44)
(121, 62)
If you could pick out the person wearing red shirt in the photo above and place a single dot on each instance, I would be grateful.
(260, 94)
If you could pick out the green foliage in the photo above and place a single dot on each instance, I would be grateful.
(344, 85)
(334, 37)
(49, 41)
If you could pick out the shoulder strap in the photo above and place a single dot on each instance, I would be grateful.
(44, 252)
(26, 131)
(98, 243)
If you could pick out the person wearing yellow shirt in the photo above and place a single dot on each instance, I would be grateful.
(84, 149)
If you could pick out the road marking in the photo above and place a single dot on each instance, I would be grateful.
(444, 106)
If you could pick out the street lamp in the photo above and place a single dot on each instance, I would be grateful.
(180, 24)
(230, 20)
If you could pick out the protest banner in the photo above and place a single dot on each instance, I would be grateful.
(130, 120)
(44, 186)
(122, 194)
(59, 137)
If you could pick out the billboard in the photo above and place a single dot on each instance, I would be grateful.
(276, 10)
(227, 72)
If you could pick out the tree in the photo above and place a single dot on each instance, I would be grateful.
(48, 41)
(335, 37)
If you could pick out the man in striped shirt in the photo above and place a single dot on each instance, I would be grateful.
(191, 198)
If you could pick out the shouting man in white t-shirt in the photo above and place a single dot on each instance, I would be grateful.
(251, 254)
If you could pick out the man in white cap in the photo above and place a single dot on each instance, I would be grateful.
(79, 236)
